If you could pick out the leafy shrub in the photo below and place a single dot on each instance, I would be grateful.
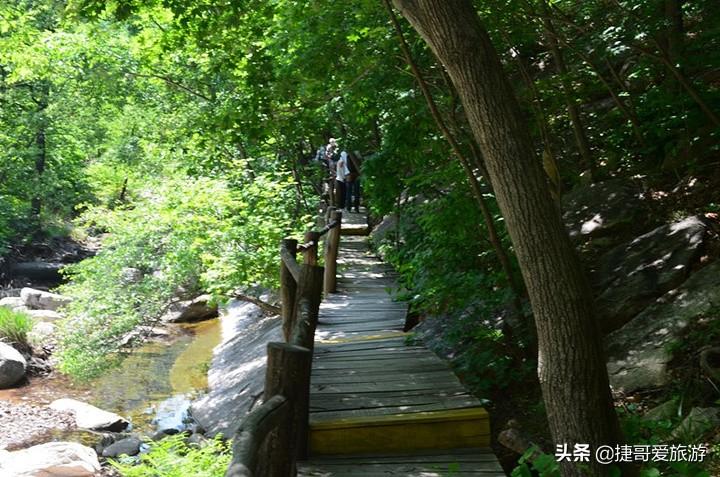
(172, 457)
(183, 236)
(14, 326)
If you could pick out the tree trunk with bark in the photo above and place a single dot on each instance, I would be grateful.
(571, 364)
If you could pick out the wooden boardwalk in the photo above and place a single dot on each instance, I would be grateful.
(379, 404)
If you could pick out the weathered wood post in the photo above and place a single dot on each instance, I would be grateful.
(288, 284)
(249, 447)
(307, 309)
(288, 374)
(331, 253)
(311, 253)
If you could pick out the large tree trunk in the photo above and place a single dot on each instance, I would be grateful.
(571, 365)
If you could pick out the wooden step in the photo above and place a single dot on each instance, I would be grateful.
(446, 429)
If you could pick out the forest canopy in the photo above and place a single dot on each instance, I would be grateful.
(181, 137)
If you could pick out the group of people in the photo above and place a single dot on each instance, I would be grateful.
(344, 172)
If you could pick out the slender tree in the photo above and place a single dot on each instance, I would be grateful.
(571, 365)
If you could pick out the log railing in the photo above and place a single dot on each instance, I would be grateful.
(275, 435)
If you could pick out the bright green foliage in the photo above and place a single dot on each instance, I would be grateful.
(14, 326)
(172, 457)
(183, 236)
(535, 460)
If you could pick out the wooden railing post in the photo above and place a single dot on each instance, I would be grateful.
(311, 253)
(331, 253)
(250, 443)
(307, 306)
(288, 374)
(288, 287)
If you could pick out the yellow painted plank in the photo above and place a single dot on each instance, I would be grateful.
(450, 415)
(401, 433)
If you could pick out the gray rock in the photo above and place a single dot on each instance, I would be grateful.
(661, 412)
(91, 417)
(42, 300)
(12, 366)
(129, 275)
(45, 315)
(602, 209)
(12, 302)
(197, 439)
(696, 424)
(54, 459)
(127, 446)
(237, 372)
(638, 352)
(634, 274)
(191, 310)
(387, 225)
(105, 441)
(41, 332)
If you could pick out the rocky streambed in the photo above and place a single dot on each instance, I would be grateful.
(162, 388)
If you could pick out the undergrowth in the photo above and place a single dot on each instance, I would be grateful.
(14, 326)
(173, 457)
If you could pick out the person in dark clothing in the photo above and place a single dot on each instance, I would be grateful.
(352, 183)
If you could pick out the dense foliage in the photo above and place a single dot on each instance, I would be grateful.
(173, 457)
(14, 326)
(181, 133)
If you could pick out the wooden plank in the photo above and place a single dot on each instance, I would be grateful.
(373, 391)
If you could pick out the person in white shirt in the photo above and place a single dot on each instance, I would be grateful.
(342, 171)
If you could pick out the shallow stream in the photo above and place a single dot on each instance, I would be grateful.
(153, 387)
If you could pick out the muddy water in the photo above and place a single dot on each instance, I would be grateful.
(156, 382)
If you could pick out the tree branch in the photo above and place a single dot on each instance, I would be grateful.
(265, 306)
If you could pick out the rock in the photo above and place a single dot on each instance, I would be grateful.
(91, 417)
(127, 446)
(54, 459)
(387, 225)
(12, 366)
(42, 300)
(237, 372)
(638, 352)
(197, 439)
(41, 332)
(44, 315)
(12, 302)
(129, 275)
(603, 209)
(662, 412)
(710, 362)
(634, 274)
(696, 424)
(191, 310)
(105, 441)
(37, 271)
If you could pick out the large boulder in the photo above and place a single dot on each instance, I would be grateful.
(44, 315)
(236, 377)
(638, 352)
(12, 302)
(12, 366)
(383, 231)
(634, 274)
(197, 309)
(42, 300)
(603, 209)
(91, 417)
(54, 459)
